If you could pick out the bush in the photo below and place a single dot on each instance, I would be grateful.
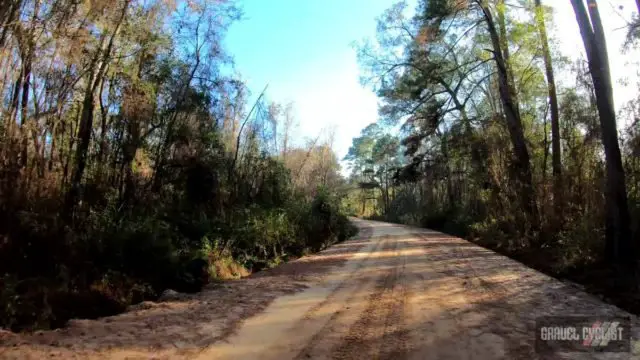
(451, 221)
(325, 224)
(114, 254)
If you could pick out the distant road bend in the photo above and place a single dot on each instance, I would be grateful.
(394, 292)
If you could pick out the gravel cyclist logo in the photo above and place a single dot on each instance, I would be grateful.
(598, 334)
(582, 333)
(601, 333)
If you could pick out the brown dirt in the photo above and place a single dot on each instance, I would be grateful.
(395, 292)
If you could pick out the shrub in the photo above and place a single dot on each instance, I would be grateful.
(114, 254)
(325, 224)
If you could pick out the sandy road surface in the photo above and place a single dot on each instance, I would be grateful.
(394, 292)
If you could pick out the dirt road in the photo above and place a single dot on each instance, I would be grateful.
(394, 292)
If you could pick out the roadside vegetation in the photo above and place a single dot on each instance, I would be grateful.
(134, 161)
(488, 131)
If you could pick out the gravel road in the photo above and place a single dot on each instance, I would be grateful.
(394, 292)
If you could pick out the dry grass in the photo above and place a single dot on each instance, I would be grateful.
(224, 267)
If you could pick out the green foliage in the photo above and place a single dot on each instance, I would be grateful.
(141, 166)
(476, 155)
(324, 224)
(123, 258)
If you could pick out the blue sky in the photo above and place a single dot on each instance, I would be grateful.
(303, 50)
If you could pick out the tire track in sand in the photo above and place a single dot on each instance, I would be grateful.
(380, 332)
(290, 324)
(349, 302)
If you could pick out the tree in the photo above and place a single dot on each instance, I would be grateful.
(374, 159)
(288, 125)
(130, 159)
(512, 113)
(620, 249)
(96, 71)
(555, 112)
(473, 85)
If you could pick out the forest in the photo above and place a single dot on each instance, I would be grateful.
(133, 159)
(488, 131)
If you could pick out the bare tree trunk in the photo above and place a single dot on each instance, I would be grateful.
(84, 138)
(15, 101)
(54, 137)
(514, 123)
(40, 150)
(73, 129)
(601, 48)
(545, 158)
(619, 247)
(103, 128)
(24, 108)
(556, 159)
(288, 123)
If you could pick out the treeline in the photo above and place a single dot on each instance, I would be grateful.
(494, 147)
(132, 161)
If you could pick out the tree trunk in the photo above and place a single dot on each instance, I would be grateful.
(54, 137)
(601, 48)
(514, 123)
(24, 107)
(7, 18)
(128, 159)
(619, 247)
(103, 128)
(161, 154)
(504, 44)
(94, 78)
(73, 130)
(84, 138)
(556, 156)
(15, 102)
